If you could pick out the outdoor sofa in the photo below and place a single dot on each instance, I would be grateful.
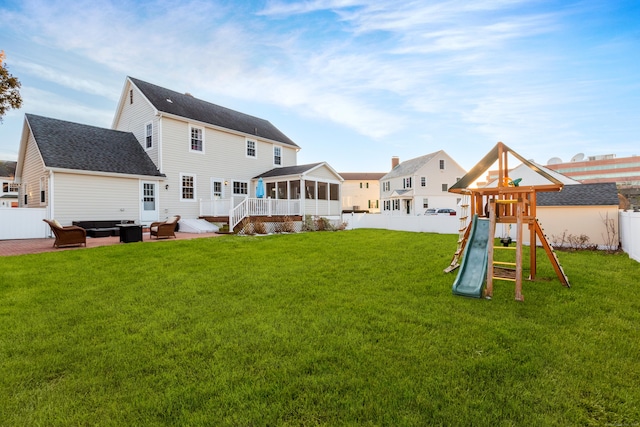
(101, 228)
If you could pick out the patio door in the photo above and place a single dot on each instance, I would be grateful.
(149, 201)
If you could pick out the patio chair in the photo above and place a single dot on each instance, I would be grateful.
(164, 229)
(71, 235)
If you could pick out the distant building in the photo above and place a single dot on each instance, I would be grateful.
(624, 171)
(361, 191)
(9, 192)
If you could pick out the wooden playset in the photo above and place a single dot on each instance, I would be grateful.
(505, 203)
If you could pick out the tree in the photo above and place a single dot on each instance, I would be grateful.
(9, 93)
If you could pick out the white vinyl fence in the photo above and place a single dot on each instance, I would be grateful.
(629, 225)
(23, 223)
(442, 224)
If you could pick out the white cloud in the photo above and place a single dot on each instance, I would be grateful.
(44, 103)
(58, 76)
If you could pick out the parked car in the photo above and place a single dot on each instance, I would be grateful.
(446, 211)
(440, 211)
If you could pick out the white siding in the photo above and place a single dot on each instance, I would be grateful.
(33, 170)
(86, 197)
(134, 118)
(323, 173)
(353, 195)
(224, 158)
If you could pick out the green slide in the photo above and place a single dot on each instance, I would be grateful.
(473, 270)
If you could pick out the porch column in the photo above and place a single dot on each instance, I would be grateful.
(302, 197)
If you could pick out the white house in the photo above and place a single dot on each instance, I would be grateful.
(168, 153)
(9, 192)
(417, 184)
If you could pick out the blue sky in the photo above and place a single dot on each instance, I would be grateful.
(353, 82)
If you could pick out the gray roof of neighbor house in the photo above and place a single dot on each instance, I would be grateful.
(362, 176)
(68, 145)
(411, 166)
(183, 105)
(288, 170)
(7, 168)
(600, 194)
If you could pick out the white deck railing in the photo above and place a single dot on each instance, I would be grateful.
(218, 207)
(239, 208)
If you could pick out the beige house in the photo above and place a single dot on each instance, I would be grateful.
(589, 210)
(361, 191)
(413, 186)
(168, 153)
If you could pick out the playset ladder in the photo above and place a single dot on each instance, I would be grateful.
(492, 274)
(463, 234)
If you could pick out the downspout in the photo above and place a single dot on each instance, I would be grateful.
(50, 209)
(158, 199)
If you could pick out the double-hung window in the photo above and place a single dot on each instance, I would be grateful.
(441, 164)
(187, 187)
(197, 139)
(277, 156)
(148, 136)
(386, 186)
(251, 148)
(445, 187)
(240, 188)
(423, 181)
(406, 183)
(42, 191)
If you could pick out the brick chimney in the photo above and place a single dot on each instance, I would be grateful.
(395, 161)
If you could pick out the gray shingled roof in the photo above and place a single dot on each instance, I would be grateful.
(196, 109)
(409, 167)
(600, 194)
(7, 168)
(288, 170)
(68, 145)
(362, 176)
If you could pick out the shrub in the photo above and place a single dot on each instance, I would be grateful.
(259, 227)
(287, 226)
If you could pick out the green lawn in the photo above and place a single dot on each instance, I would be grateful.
(344, 328)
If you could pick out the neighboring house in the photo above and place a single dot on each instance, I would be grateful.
(361, 191)
(417, 184)
(168, 154)
(589, 210)
(9, 194)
